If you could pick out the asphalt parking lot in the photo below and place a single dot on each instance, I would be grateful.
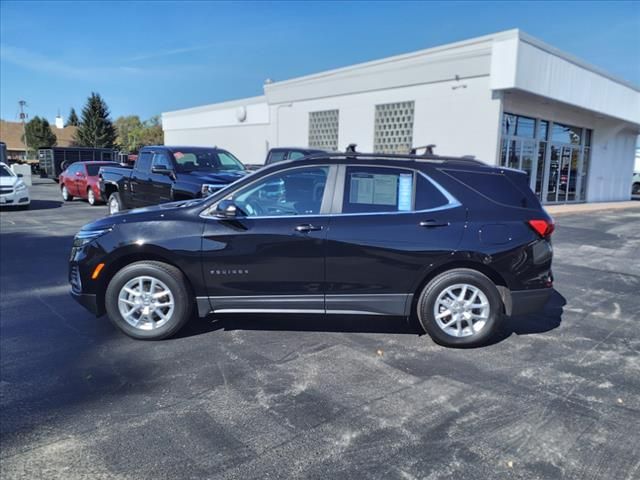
(556, 396)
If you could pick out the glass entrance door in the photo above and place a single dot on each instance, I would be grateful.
(563, 174)
(554, 156)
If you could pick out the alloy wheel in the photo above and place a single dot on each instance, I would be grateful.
(461, 310)
(91, 197)
(146, 303)
(65, 193)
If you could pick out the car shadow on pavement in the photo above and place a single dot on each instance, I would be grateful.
(300, 323)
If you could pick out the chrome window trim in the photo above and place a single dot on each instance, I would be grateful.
(338, 193)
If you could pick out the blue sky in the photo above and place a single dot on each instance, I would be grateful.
(149, 57)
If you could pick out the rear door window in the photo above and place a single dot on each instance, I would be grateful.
(380, 189)
(377, 189)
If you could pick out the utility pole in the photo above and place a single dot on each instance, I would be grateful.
(23, 117)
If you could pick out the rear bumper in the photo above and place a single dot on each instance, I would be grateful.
(522, 302)
(88, 301)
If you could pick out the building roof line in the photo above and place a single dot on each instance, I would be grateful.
(525, 37)
(395, 58)
(216, 106)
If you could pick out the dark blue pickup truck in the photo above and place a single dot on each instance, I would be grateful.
(166, 174)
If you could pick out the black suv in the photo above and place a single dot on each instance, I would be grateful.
(451, 241)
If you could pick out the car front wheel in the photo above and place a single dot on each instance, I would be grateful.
(66, 196)
(460, 308)
(635, 190)
(115, 203)
(148, 300)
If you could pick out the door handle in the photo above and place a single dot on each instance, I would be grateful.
(433, 224)
(307, 227)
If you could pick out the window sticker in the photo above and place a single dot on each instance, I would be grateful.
(405, 192)
(373, 189)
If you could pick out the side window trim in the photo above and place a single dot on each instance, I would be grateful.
(325, 205)
(339, 188)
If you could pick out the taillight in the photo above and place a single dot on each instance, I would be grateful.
(544, 228)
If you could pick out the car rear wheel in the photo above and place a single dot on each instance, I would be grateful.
(115, 203)
(148, 300)
(460, 308)
(66, 196)
(91, 197)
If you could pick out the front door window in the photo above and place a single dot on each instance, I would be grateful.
(292, 192)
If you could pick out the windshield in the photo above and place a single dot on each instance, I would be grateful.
(189, 160)
(5, 172)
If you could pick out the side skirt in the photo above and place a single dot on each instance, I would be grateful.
(392, 304)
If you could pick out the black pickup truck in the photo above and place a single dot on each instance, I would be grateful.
(167, 173)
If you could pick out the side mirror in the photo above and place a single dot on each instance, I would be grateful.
(227, 209)
(20, 175)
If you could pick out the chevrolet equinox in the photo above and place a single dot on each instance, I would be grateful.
(453, 242)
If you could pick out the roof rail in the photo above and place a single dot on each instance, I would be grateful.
(395, 156)
(428, 149)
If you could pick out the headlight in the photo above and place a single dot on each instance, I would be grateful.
(21, 187)
(211, 188)
(87, 236)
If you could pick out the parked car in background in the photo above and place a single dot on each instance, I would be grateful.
(283, 154)
(53, 161)
(13, 191)
(635, 185)
(166, 173)
(80, 179)
(452, 242)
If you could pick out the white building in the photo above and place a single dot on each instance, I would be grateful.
(507, 99)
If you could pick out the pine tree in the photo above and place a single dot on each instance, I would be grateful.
(38, 134)
(96, 128)
(73, 120)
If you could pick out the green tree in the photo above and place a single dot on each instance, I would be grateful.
(129, 130)
(152, 133)
(96, 128)
(134, 134)
(73, 120)
(38, 134)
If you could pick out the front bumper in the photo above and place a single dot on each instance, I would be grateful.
(88, 301)
(522, 302)
(15, 198)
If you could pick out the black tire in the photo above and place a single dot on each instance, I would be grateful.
(115, 199)
(172, 278)
(635, 190)
(67, 197)
(431, 292)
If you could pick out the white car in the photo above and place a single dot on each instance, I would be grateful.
(13, 191)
